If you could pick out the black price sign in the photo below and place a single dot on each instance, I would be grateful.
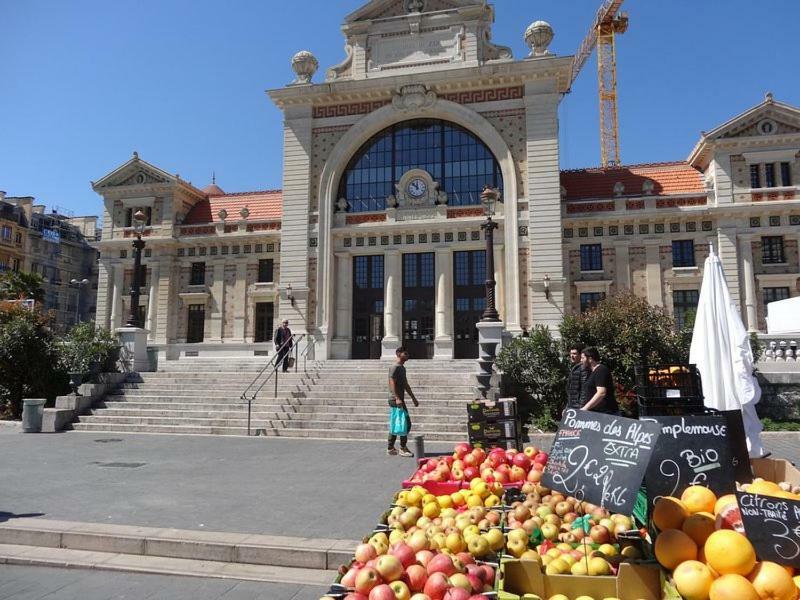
(692, 450)
(600, 458)
(773, 527)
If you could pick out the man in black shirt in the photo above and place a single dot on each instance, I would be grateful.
(283, 344)
(599, 387)
(398, 386)
(578, 374)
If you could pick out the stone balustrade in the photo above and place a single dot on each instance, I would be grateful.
(780, 349)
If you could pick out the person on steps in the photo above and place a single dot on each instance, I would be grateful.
(283, 344)
(399, 419)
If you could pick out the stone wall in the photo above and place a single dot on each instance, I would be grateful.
(780, 396)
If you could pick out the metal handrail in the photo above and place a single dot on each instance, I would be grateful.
(274, 363)
(309, 347)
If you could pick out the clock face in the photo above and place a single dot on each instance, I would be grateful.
(417, 188)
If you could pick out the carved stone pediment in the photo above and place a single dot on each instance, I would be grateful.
(384, 9)
(136, 172)
(142, 177)
(763, 126)
(414, 98)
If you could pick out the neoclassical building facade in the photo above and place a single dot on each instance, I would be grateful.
(375, 240)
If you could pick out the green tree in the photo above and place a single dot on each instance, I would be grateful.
(28, 359)
(16, 285)
(537, 372)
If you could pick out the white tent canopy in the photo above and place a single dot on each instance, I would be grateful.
(721, 350)
(783, 316)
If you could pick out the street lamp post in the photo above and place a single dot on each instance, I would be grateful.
(489, 197)
(79, 285)
(490, 328)
(139, 220)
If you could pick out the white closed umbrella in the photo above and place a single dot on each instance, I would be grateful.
(721, 350)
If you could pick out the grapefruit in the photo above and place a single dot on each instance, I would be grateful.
(693, 580)
(729, 552)
(699, 526)
(723, 502)
(698, 498)
(674, 547)
(732, 587)
(730, 517)
(669, 513)
(772, 582)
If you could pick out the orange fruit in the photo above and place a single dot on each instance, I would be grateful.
(732, 587)
(698, 498)
(669, 513)
(674, 547)
(693, 580)
(699, 526)
(765, 488)
(772, 582)
(729, 552)
(723, 502)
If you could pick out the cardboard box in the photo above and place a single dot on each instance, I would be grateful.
(490, 431)
(633, 582)
(482, 410)
(775, 469)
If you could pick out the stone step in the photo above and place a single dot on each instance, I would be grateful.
(280, 413)
(195, 386)
(365, 395)
(180, 408)
(337, 434)
(279, 559)
(322, 400)
(332, 379)
(316, 422)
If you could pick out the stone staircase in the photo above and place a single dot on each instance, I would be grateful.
(337, 399)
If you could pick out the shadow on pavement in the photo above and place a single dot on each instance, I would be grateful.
(7, 516)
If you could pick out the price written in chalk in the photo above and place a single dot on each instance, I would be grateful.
(600, 458)
(773, 527)
(692, 450)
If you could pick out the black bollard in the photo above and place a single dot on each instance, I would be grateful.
(419, 446)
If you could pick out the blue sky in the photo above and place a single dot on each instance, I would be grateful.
(84, 83)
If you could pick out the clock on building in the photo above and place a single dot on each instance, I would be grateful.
(417, 188)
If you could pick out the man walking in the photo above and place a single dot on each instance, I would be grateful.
(399, 420)
(599, 387)
(578, 374)
(283, 344)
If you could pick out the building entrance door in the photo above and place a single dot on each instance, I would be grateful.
(469, 297)
(367, 306)
(419, 304)
(265, 313)
(196, 323)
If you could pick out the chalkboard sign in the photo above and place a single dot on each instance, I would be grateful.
(692, 450)
(738, 439)
(600, 458)
(772, 526)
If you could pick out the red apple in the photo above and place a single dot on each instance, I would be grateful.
(470, 473)
(415, 577)
(465, 558)
(400, 589)
(521, 460)
(405, 553)
(457, 593)
(541, 458)
(424, 557)
(479, 454)
(500, 476)
(421, 596)
(389, 567)
(365, 552)
(366, 579)
(381, 592)
(436, 586)
(441, 563)
(599, 534)
(534, 476)
(349, 579)
(516, 474)
(470, 460)
(356, 596)
(538, 466)
(488, 574)
(461, 450)
(476, 583)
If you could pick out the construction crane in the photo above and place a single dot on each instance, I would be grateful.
(607, 24)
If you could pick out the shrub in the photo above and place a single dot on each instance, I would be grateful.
(538, 373)
(28, 359)
(88, 348)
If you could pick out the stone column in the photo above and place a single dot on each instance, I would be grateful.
(103, 291)
(240, 293)
(216, 310)
(500, 278)
(655, 295)
(443, 342)
(392, 303)
(152, 302)
(117, 318)
(343, 326)
(168, 303)
(750, 306)
(729, 255)
(623, 263)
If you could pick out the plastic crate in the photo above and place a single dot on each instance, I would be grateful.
(681, 407)
(668, 382)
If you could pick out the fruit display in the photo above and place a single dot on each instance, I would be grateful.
(702, 542)
(508, 467)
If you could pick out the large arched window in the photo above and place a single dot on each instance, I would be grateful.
(456, 158)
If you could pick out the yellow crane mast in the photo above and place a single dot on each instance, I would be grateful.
(607, 24)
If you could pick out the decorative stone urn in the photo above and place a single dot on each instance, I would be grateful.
(304, 64)
(222, 214)
(538, 37)
(244, 213)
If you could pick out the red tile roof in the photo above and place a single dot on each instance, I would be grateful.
(668, 178)
(263, 206)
